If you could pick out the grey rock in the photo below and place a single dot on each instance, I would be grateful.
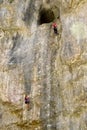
(51, 69)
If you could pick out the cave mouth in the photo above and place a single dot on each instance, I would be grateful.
(46, 16)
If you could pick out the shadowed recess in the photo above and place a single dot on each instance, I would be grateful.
(29, 13)
(46, 16)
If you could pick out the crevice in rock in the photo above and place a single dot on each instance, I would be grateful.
(29, 13)
(13, 58)
(27, 81)
(46, 16)
(16, 42)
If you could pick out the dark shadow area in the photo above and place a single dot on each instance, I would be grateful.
(48, 1)
(29, 13)
(46, 16)
(31, 104)
(10, 1)
(27, 81)
(1, 1)
(13, 59)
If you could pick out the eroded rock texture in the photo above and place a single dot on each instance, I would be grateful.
(51, 69)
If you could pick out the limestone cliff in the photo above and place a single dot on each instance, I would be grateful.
(51, 69)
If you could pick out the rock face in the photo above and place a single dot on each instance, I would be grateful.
(51, 69)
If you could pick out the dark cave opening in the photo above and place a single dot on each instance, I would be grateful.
(46, 16)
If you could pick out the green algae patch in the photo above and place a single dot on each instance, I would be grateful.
(79, 110)
(31, 125)
(9, 29)
(11, 1)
